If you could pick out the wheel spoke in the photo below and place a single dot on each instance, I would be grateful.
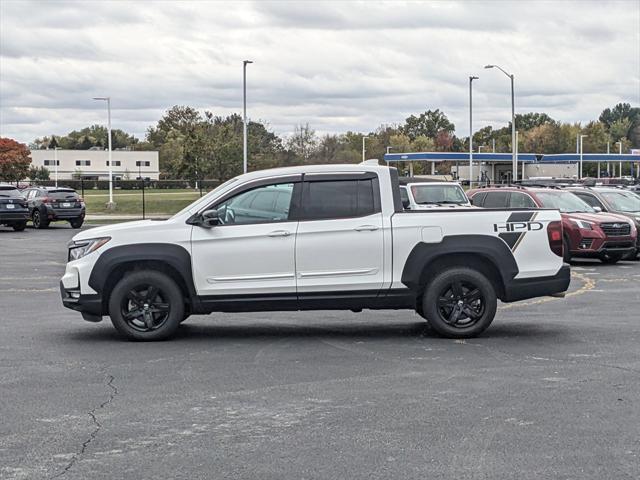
(470, 312)
(148, 319)
(472, 296)
(446, 302)
(454, 315)
(136, 298)
(152, 293)
(456, 288)
(132, 314)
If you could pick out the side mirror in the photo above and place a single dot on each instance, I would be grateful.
(597, 209)
(210, 218)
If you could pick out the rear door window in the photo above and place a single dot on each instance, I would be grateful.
(324, 200)
(496, 200)
(478, 199)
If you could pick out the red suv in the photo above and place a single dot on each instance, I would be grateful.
(587, 233)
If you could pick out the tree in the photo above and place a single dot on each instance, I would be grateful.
(15, 159)
(303, 142)
(428, 124)
(531, 120)
(38, 173)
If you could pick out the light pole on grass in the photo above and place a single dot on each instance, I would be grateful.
(110, 205)
(513, 121)
(620, 151)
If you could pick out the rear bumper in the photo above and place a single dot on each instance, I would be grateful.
(89, 305)
(522, 289)
(13, 217)
(65, 213)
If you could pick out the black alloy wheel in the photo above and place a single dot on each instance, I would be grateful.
(144, 308)
(38, 221)
(461, 304)
(146, 305)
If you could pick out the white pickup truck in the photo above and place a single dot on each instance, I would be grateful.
(330, 237)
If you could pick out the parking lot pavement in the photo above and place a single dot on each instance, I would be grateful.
(551, 390)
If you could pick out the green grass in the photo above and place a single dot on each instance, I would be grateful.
(129, 202)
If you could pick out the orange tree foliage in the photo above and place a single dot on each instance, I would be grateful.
(15, 159)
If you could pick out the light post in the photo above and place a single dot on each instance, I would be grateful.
(363, 147)
(388, 150)
(582, 137)
(513, 121)
(55, 163)
(244, 116)
(110, 205)
(471, 79)
(620, 151)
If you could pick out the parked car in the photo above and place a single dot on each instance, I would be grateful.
(587, 233)
(13, 208)
(343, 242)
(418, 194)
(53, 204)
(613, 200)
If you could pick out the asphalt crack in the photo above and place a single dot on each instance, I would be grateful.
(96, 430)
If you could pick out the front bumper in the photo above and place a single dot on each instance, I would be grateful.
(522, 289)
(89, 305)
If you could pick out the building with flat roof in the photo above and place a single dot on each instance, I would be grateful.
(94, 164)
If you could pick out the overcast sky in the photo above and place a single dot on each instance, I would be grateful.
(337, 65)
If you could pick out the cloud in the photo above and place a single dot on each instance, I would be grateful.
(336, 65)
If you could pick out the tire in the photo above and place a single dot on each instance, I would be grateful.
(566, 250)
(76, 222)
(19, 227)
(450, 298)
(38, 221)
(146, 305)
(611, 259)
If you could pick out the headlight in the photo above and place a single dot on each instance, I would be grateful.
(81, 248)
(583, 223)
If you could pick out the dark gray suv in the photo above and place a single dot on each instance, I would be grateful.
(52, 204)
(13, 208)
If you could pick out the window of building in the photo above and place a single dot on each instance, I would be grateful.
(140, 163)
(83, 163)
(116, 163)
(50, 163)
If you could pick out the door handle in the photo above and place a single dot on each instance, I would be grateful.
(366, 228)
(280, 233)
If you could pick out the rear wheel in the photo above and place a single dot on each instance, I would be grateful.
(460, 303)
(38, 220)
(146, 305)
(19, 227)
(76, 222)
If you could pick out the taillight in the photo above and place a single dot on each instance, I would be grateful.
(554, 232)
(47, 200)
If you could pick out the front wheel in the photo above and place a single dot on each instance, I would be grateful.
(146, 305)
(611, 258)
(460, 303)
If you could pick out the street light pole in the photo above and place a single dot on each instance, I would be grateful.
(244, 116)
(581, 143)
(620, 151)
(471, 79)
(55, 163)
(363, 148)
(388, 150)
(513, 121)
(110, 205)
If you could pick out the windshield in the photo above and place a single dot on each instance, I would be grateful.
(425, 194)
(564, 201)
(62, 194)
(205, 199)
(623, 202)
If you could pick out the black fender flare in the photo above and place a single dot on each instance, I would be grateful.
(174, 256)
(485, 247)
